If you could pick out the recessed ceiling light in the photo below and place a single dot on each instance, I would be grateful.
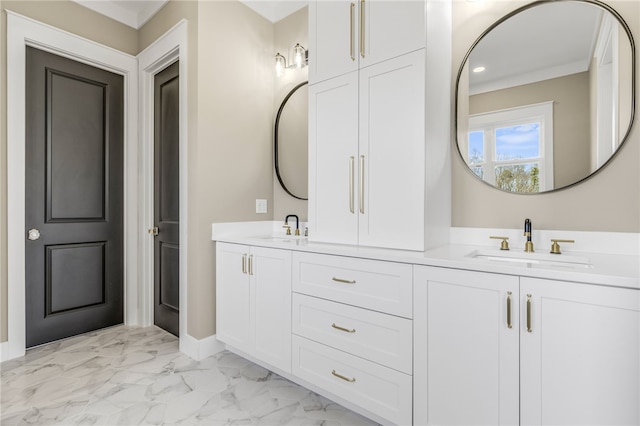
(478, 69)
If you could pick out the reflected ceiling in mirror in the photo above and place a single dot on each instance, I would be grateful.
(545, 96)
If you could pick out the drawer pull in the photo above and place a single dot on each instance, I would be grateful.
(337, 327)
(340, 376)
(340, 280)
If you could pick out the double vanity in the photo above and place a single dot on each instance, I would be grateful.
(461, 334)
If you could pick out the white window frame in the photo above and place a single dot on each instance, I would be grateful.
(489, 121)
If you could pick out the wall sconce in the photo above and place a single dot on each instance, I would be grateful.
(300, 59)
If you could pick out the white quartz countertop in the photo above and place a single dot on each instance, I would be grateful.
(603, 269)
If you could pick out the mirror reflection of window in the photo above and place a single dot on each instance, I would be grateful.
(475, 157)
(512, 149)
(581, 55)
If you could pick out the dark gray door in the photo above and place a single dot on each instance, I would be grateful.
(74, 198)
(167, 200)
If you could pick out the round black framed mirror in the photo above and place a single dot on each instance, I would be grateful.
(290, 142)
(545, 97)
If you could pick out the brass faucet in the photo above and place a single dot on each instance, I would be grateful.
(528, 246)
(286, 224)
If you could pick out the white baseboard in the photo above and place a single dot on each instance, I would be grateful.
(200, 349)
(9, 351)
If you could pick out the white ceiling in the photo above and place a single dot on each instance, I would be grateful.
(135, 13)
(275, 10)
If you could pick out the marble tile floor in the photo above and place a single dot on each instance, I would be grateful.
(130, 375)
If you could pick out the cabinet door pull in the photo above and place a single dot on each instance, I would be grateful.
(529, 329)
(340, 376)
(352, 9)
(250, 264)
(351, 183)
(337, 327)
(362, 28)
(361, 186)
(244, 263)
(509, 325)
(340, 280)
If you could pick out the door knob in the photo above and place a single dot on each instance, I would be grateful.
(154, 231)
(34, 234)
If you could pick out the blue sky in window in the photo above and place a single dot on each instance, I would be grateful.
(521, 141)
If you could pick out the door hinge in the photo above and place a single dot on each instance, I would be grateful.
(154, 231)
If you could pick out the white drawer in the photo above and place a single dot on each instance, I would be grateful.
(378, 337)
(380, 390)
(372, 284)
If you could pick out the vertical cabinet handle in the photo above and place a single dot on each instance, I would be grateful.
(244, 263)
(250, 264)
(362, 28)
(352, 9)
(529, 329)
(509, 325)
(361, 186)
(351, 188)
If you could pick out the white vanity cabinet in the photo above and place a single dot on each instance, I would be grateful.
(580, 354)
(253, 300)
(571, 355)
(352, 331)
(367, 156)
(346, 35)
(466, 327)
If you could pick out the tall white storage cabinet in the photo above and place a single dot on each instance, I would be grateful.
(253, 303)
(379, 131)
(347, 35)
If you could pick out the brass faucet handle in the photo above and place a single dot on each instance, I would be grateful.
(555, 247)
(288, 229)
(504, 245)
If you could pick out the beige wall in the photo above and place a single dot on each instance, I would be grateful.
(231, 164)
(230, 85)
(289, 31)
(70, 17)
(571, 123)
(609, 201)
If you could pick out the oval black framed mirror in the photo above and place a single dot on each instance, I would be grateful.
(290, 142)
(545, 97)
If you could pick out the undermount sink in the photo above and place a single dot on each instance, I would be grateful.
(283, 239)
(532, 260)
